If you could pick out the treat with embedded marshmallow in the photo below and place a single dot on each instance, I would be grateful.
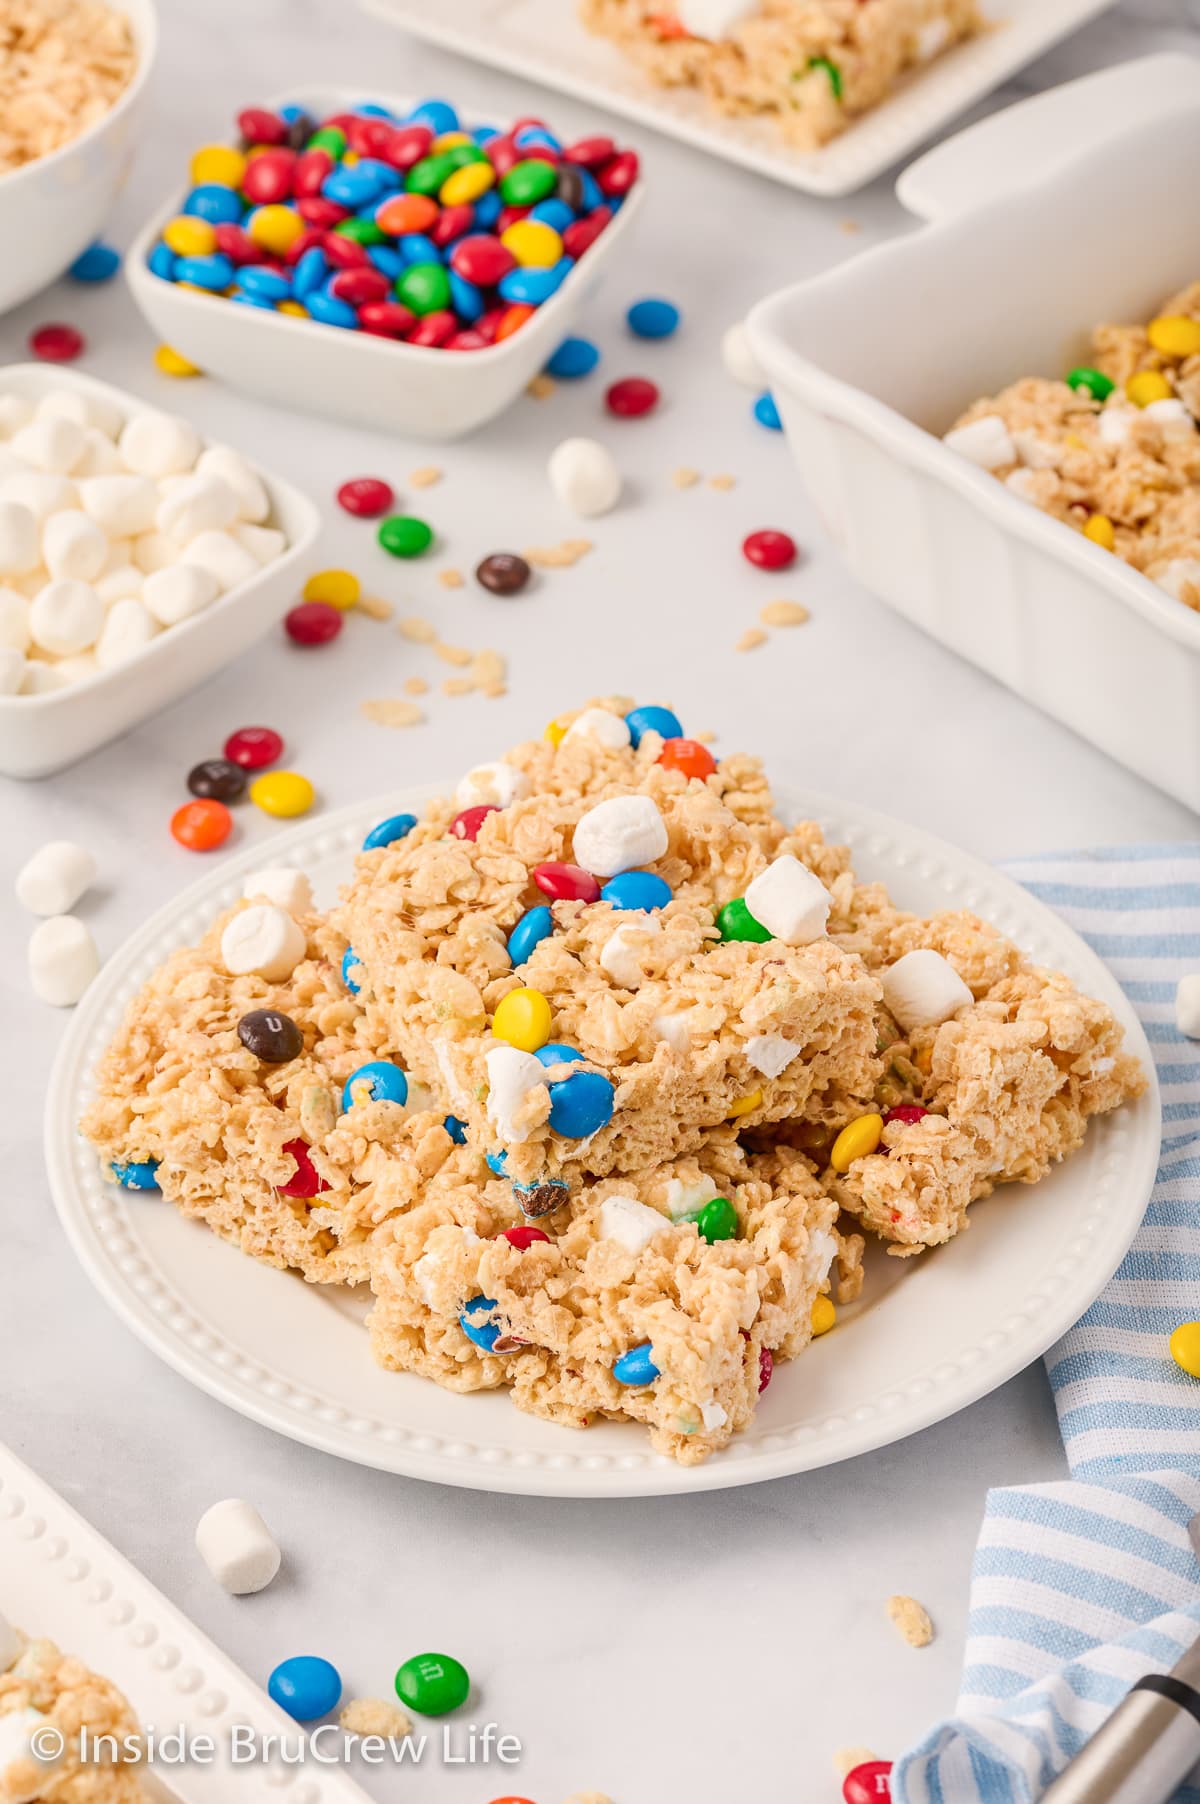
(602, 724)
(282, 885)
(632, 1223)
(237, 1547)
(584, 476)
(66, 617)
(620, 834)
(263, 940)
(621, 954)
(52, 881)
(986, 442)
(179, 591)
(73, 546)
(1187, 1005)
(158, 444)
(771, 1053)
(62, 960)
(790, 901)
(128, 629)
(512, 1076)
(923, 989)
(497, 784)
(26, 1758)
(19, 549)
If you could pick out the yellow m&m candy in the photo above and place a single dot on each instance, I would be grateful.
(523, 1019)
(189, 237)
(284, 793)
(276, 228)
(1100, 531)
(341, 588)
(1147, 386)
(1185, 1348)
(1174, 335)
(856, 1141)
(824, 1316)
(746, 1105)
(219, 163)
(533, 243)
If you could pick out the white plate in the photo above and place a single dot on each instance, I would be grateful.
(544, 41)
(62, 1579)
(929, 1336)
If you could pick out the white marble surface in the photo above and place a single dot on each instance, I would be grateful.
(709, 1648)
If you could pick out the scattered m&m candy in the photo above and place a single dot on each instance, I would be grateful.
(284, 793)
(217, 778)
(202, 826)
(253, 747)
(1185, 1348)
(868, 1783)
(136, 1174)
(56, 343)
(433, 1684)
(313, 623)
(378, 1081)
(271, 1036)
(396, 826)
(767, 413)
(574, 357)
(403, 535)
(769, 550)
(503, 573)
(339, 588)
(98, 263)
(688, 757)
(366, 497)
(306, 1686)
(652, 318)
(631, 397)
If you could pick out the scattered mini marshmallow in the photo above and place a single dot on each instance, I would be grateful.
(121, 505)
(66, 616)
(634, 1224)
(152, 551)
(52, 444)
(281, 885)
(497, 784)
(986, 442)
(62, 960)
(158, 444)
(11, 1643)
(789, 901)
(222, 461)
(771, 1053)
(512, 1074)
(1036, 453)
(196, 504)
(237, 1547)
(12, 670)
(1023, 483)
(100, 456)
(220, 554)
(685, 1199)
(621, 834)
(584, 476)
(1187, 1005)
(128, 628)
(740, 360)
(923, 989)
(73, 546)
(19, 548)
(263, 941)
(600, 724)
(24, 1761)
(178, 592)
(53, 879)
(620, 954)
(14, 619)
(39, 491)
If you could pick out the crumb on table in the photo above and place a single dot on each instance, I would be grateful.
(425, 477)
(392, 712)
(418, 629)
(374, 1716)
(911, 1619)
(846, 1759)
(751, 639)
(451, 578)
(783, 613)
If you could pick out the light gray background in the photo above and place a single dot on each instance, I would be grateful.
(710, 1648)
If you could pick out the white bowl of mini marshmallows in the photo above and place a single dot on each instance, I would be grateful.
(135, 560)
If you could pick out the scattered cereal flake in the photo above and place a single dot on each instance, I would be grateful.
(851, 226)
(393, 713)
(375, 607)
(541, 386)
(558, 557)
(781, 613)
(846, 1759)
(425, 477)
(705, 738)
(457, 686)
(722, 482)
(418, 629)
(487, 669)
(685, 478)
(912, 1620)
(416, 685)
(451, 579)
(374, 1716)
(751, 639)
(457, 655)
(494, 690)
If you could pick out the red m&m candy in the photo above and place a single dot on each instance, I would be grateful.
(868, 1783)
(631, 397)
(305, 1180)
(366, 497)
(467, 824)
(907, 1112)
(769, 550)
(258, 126)
(56, 343)
(254, 747)
(313, 622)
(523, 1238)
(566, 883)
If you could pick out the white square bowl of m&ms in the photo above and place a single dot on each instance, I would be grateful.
(381, 262)
(135, 560)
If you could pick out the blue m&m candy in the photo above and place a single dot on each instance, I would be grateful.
(533, 927)
(636, 1367)
(438, 115)
(581, 1104)
(766, 412)
(350, 965)
(636, 889)
(379, 1081)
(306, 1687)
(574, 357)
(497, 1163)
(136, 1174)
(330, 311)
(653, 720)
(456, 1129)
(214, 271)
(211, 201)
(478, 1322)
(652, 318)
(98, 263)
(269, 284)
(554, 1053)
(310, 271)
(396, 826)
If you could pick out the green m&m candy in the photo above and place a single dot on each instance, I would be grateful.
(529, 182)
(433, 1684)
(427, 176)
(403, 535)
(424, 287)
(737, 923)
(717, 1220)
(331, 138)
(363, 231)
(1092, 382)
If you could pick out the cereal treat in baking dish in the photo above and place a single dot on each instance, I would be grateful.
(662, 1296)
(43, 1688)
(808, 66)
(1114, 449)
(245, 1084)
(575, 970)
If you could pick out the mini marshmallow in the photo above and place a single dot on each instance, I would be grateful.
(50, 444)
(15, 412)
(789, 901)
(512, 1074)
(584, 476)
(75, 669)
(1036, 453)
(1187, 1006)
(14, 619)
(94, 412)
(673, 1030)
(19, 549)
(498, 784)
(221, 555)
(152, 551)
(237, 1547)
(712, 18)
(40, 678)
(196, 504)
(18, 1750)
(176, 593)
(285, 887)
(1171, 417)
(62, 960)
(158, 444)
(40, 491)
(685, 1199)
(985, 442)
(1023, 483)
(771, 1053)
(118, 584)
(73, 546)
(100, 457)
(923, 989)
(120, 551)
(1180, 574)
(620, 834)
(600, 724)
(427, 1270)
(623, 1218)
(52, 881)
(1117, 422)
(11, 1643)
(66, 617)
(221, 460)
(12, 670)
(128, 628)
(931, 38)
(740, 360)
(264, 543)
(620, 954)
(713, 1414)
(263, 941)
(120, 505)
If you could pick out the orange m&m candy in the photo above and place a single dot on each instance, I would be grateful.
(202, 826)
(407, 213)
(688, 757)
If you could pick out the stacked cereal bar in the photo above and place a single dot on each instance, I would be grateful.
(44, 1689)
(809, 66)
(1114, 449)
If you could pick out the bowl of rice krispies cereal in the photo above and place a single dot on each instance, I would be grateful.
(599, 1079)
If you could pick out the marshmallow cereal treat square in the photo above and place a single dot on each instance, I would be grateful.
(43, 1689)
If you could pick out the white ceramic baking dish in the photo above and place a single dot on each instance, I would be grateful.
(1074, 207)
(394, 387)
(44, 733)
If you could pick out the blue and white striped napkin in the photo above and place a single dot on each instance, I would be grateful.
(1080, 1588)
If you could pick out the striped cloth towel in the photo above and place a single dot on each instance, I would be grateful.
(1080, 1588)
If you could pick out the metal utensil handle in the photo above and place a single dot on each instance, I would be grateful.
(1142, 1754)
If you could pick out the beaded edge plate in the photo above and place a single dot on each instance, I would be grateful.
(928, 1337)
(543, 41)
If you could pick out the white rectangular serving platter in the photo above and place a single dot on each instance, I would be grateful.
(544, 41)
(59, 1578)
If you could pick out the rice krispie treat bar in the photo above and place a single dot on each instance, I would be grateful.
(42, 1688)
(1114, 450)
(262, 1130)
(63, 65)
(661, 1296)
(809, 66)
(568, 974)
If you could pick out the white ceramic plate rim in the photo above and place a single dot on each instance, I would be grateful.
(1123, 1148)
(922, 106)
